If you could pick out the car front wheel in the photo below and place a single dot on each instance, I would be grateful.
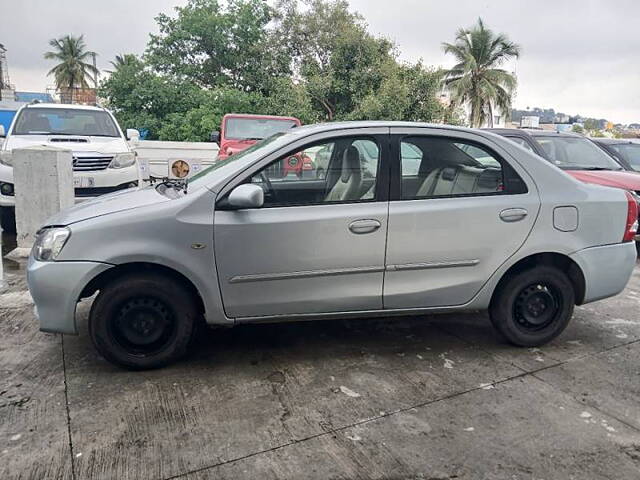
(143, 321)
(534, 306)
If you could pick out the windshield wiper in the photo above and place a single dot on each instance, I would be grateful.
(178, 184)
(600, 168)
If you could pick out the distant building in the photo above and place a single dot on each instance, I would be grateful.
(83, 96)
(530, 121)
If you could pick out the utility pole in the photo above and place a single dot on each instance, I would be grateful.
(95, 77)
(2, 73)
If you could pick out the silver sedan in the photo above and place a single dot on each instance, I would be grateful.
(406, 219)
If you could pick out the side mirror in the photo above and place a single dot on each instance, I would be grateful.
(215, 137)
(133, 134)
(2, 132)
(246, 196)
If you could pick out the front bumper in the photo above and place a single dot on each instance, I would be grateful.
(91, 183)
(56, 288)
(607, 269)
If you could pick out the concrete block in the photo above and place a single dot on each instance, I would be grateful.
(43, 178)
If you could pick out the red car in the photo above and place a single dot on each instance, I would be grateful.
(239, 131)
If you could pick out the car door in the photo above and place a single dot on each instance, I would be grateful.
(454, 219)
(318, 244)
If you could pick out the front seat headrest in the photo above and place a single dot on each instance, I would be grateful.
(350, 163)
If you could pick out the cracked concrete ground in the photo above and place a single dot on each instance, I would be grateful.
(426, 397)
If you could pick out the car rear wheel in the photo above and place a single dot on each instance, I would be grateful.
(8, 219)
(143, 321)
(534, 306)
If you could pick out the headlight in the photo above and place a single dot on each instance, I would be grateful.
(122, 160)
(49, 243)
(6, 158)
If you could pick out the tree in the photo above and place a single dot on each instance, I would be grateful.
(476, 81)
(122, 60)
(336, 59)
(577, 129)
(143, 99)
(73, 70)
(215, 44)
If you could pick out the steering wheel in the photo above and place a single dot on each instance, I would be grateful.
(269, 186)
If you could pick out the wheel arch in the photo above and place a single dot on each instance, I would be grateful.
(119, 271)
(554, 259)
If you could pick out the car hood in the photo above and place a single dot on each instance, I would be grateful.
(107, 204)
(74, 143)
(609, 178)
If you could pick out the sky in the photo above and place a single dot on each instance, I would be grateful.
(578, 56)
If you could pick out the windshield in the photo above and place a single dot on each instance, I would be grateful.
(629, 152)
(576, 153)
(234, 158)
(255, 128)
(65, 121)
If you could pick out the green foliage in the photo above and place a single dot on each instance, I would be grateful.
(218, 44)
(476, 80)
(141, 98)
(591, 124)
(577, 129)
(316, 62)
(73, 69)
(338, 61)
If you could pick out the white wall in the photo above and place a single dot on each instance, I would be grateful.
(159, 155)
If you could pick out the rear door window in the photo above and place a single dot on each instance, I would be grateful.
(441, 167)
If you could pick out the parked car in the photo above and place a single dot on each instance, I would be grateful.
(479, 224)
(102, 159)
(578, 156)
(238, 131)
(625, 151)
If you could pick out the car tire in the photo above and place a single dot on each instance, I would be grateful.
(143, 321)
(532, 307)
(8, 219)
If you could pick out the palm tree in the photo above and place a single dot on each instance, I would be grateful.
(122, 60)
(476, 80)
(73, 69)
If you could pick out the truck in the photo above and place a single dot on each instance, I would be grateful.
(103, 161)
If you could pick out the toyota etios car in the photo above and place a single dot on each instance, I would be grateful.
(431, 219)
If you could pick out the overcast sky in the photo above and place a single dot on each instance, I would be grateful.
(578, 56)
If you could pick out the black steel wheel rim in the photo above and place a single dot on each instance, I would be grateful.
(536, 307)
(143, 325)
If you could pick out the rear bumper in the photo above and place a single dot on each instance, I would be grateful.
(607, 269)
(56, 288)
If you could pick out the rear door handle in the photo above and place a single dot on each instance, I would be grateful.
(364, 226)
(513, 214)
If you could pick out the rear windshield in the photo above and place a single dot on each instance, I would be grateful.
(576, 153)
(65, 121)
(255, 128)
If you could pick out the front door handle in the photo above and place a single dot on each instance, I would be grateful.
(364, 226)
(513, 214)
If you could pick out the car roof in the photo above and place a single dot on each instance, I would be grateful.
(253, 115)
(524, 132)
(615, 141)
(63, 105)
(331, 126)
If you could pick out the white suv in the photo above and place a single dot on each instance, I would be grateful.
(103, 162)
